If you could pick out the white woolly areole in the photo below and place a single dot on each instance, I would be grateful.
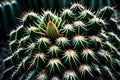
(62, 39)
(70, 53)
(79, 38)
(78, 23)
(96, 38)
(42, 55)
(68, 26)
(54, 48)
(87, 51)
(85, 67)
(43, 39)
(54, 61)
(69, 74)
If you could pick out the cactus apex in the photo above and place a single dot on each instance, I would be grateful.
(52, 30)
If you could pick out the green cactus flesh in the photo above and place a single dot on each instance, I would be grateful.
(75, 45)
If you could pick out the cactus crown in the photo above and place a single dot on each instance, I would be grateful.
(76, 45)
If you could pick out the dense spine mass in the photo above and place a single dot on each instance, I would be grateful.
(76, 45)
(13, 9)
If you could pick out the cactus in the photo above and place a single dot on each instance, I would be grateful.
(74, 45)
(15, 7)
(9, 11)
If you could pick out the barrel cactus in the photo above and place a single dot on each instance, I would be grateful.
(74, 45)
(9, 10)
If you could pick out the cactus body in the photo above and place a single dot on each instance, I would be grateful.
(9, 11)
(66, 47)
